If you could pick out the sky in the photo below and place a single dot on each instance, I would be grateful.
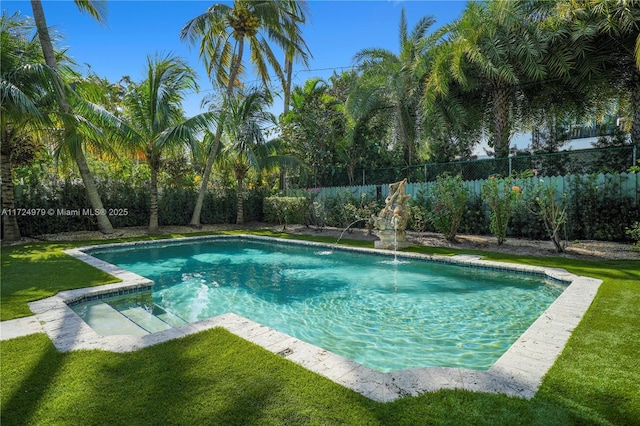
(336, 31)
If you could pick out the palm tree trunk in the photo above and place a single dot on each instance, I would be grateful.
(286, 88)
(501, 110)
(153, 208)
(288, 70)
(240, 202)
(87, 178)
(206, 174)
(104, 224)
(635, 107)
(10, 228)
(197, 210)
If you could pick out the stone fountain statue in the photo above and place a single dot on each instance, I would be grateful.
(391, 222)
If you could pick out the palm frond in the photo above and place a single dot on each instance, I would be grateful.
(97, 9)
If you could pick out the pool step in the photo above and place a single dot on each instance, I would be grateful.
(107, 321)
(145, 319)
(171, 319)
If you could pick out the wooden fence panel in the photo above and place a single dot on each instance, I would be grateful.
(621, 185)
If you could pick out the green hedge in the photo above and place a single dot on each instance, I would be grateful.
(175, 206)
(594, 212)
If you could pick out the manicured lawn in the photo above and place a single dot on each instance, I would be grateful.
(216, 378)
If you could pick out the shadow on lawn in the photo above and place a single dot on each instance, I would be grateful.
(21, 407)
(194, 380)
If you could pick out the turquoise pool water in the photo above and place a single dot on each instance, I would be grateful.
(383, 314)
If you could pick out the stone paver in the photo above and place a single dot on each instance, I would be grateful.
(19, 327)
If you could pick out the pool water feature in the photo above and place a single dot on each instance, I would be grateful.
(385, 314)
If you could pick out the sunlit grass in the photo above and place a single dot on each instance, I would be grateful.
(217, 378)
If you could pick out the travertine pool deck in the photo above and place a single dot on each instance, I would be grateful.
(518, 372)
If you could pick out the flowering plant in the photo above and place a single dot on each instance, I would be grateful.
(501, 195)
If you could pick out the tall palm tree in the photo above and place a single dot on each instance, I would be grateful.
(494, 48)
(291, 54)
(245, 121)
(222, 32)
(95, 8)
(296, 48)
(24, 84)
(394, 82)
(154, 118)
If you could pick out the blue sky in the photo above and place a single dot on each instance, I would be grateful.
(336, 31)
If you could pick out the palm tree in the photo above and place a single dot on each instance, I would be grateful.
(394, 82)
(296, 48)
(24, 83)
(493, 49)
(244, 122)
(155, 120)
(222, 31)
(96, 9)
(609, 30)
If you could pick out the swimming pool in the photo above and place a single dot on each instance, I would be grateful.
(379, 312)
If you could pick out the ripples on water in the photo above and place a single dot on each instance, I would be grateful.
(388, 314)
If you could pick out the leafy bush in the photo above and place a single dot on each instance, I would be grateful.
(474, 220)
(419, 208)
(344, 210)
(590, 196)
(449, 200)
(285, 210)
(553, 212)
(501, 195)
(219, 207)
(634, 232)
(524, 224)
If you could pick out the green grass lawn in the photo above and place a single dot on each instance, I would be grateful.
(214, 377)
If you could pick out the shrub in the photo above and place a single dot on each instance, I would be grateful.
(553, 212)
(634, 232)
(474, 220)
(590, 195)
(419, 208)
(501, 195)
(449, 200)
(344, 210)
(285, 210)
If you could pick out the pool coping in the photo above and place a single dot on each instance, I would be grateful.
(518, 372)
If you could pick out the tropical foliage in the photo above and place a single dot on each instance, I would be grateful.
(449, 200)
(156, 122)
(501, 195)
(393, 83)
(222, 31)
(24, 81)
(245, 122)
(502, 67)
(71, 136)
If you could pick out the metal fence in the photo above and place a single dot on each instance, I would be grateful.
(578, 162)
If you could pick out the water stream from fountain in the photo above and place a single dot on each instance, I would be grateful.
(327, 252)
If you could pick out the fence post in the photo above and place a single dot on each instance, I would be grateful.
(635, 155)
(510, 166)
